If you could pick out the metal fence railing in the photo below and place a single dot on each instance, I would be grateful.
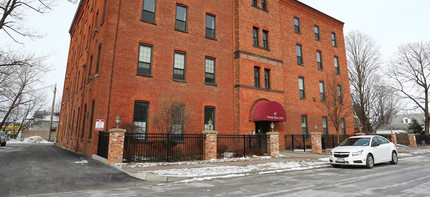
(403, 139)
(241, 145)
(103, 145)
(298, 142)
(150, 147)
(330, 141)
(422, 140)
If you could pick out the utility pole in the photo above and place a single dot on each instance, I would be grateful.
(52, 112)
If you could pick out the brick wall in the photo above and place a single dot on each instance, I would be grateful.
(234, 96)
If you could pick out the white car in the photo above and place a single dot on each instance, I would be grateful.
(365, 151)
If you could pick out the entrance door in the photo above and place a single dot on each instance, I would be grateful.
(262, 127)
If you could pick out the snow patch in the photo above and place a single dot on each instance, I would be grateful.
(83, 161)
(29, 140)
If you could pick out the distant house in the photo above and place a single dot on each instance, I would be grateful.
(400, 123)
(40, 125)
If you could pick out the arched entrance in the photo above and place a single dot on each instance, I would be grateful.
(264, 115)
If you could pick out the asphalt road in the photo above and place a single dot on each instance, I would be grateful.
(411, 177)
(45, 168)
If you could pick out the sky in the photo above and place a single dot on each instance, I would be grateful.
(389, 22)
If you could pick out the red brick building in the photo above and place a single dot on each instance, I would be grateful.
(200, 61)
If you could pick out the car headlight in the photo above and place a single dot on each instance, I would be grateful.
(357, 153)
(331, 153)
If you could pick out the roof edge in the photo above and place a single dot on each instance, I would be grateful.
(76, 14)
(314, 9)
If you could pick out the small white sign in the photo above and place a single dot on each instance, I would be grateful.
(100, 124)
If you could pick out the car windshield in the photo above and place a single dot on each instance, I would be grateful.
(356, 142)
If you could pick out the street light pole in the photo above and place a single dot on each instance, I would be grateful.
(52, 112)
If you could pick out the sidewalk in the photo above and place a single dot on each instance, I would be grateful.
(223, 168)
(235, 167)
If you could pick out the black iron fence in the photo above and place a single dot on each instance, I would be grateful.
(403, 139)
(330, 141)
(422, 140)
(103, 146)
(241, 145)
(298, 142)
(150, 147)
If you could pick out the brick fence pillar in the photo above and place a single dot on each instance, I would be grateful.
(412, 140)
(210, 145)
(316, 142)
(273, 144)
(116, 145)
(393, 139)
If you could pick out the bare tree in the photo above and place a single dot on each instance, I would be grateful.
(334, 104)
(386, 105)
(18, 88)
(14, 12)
(172, 115)
(410, 70)
(363, 62)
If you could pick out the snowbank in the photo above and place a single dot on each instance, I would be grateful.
(29, 140)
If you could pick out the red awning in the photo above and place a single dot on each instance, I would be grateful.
(272, 111)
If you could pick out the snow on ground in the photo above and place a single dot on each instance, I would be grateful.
(145, 165)
(224, 170)
(29, 140)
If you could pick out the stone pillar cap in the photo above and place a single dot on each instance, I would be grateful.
(272, 133)
(210, 132)
(119, 130)
(411, 133)
(359, 134)
(316, 133)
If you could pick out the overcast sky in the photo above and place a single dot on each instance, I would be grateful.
(389, 22)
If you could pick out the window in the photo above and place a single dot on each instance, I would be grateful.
(339, 94)
(265, 39)
(254, 3)
(317, 32)
(296, 25)
(144, 64)
(319, 60)
(209, 115)
(210, 70)
(89, 69)
(342, 126)
(305, 125)
(336, 65)
(98, 61)
(140, 116)
(92, 120)
(322, 92)
(177, 119)
(77, 122)
(267, 78)
(179, 66)
(325, 126)
(256, 76)
(302, 88)
(333, 39)
(83, 76)
(77, 82)
(96, 29)
(88, 37)
(210, 26)
(84, 117)
(299, 54)
(264, 5)
(181, 18)
(104, 12)
(255, 36)
(148, 11)
(73, 120)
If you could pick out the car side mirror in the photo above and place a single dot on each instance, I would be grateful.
(375, 145)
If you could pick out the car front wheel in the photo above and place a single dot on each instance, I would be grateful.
(369, 161)
(394, 158)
